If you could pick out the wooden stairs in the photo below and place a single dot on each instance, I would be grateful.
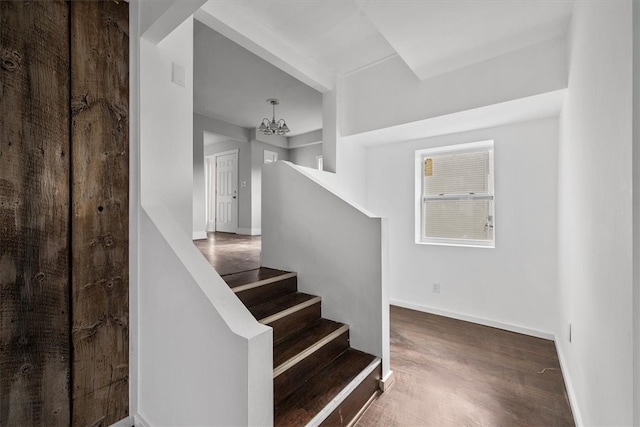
(318, 379)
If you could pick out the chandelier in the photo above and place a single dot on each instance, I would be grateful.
(273, 127)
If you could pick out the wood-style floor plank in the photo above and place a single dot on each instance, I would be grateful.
(231, 253)
(318, 391)
(275, 306)
(452, 373)
(251, 276)
(290, 347)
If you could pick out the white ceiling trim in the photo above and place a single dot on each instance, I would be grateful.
(412, 32)
(524, 109)
(227, 20)
(523, 40)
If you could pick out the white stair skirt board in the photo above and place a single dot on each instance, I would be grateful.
(199, 235)
(573, 402)
(344, 393)
(479, 320)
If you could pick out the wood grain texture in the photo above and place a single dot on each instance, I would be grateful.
(355, 404)
(452, 373)
(319, 390)
(290, 380)
(295, 322)
(34, 214)
(231, 253)
(251, 276)
(100, 211)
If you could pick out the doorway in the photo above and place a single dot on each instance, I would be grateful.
(222, 194)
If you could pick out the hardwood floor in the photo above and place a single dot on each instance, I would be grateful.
(454, 373)
(231, 253)
(447, 372)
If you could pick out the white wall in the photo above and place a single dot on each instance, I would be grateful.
(338, 251)
(513, 285)
(199, 365)
(244, 175)
(250, 161)
(238, 139)
(390, 94)
(306, 156)
(166, 150)
(202, 359)
(309, 138)
(595, 215)
(257, 162)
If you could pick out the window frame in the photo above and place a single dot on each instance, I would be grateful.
(420, 198)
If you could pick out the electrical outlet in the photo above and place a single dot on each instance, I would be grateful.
(569, 332)
(436, 288)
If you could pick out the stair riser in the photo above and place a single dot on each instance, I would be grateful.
(251, 297)
(356, 403)
(295, 322)
(287, 382)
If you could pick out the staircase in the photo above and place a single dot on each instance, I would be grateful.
(318, 379)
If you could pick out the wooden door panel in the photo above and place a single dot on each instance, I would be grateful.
(34, 214)
(100, 211)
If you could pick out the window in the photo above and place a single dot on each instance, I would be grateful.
(319, 162)
(270, 156)
(455, 195)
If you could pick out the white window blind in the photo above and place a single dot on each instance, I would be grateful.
(457, 195)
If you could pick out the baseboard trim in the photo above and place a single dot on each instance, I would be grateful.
(385, 383)
(125, 422)
(479, 320)
(249, 231)
(573, 402)
(140, 421)
(199, 235)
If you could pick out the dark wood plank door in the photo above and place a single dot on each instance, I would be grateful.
(34, 213)
(100, 190)
(64, 167)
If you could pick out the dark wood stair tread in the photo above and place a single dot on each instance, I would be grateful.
(322, 388)
(265, 311)
(303, 340)
(251, 276)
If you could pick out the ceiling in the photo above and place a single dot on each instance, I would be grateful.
(233, 85)
(319, 38)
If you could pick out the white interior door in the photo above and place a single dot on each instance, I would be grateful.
(227, 192)
(211, 193)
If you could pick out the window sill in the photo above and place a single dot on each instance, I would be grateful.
(459, 243)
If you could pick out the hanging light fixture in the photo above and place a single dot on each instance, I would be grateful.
(273, 127)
